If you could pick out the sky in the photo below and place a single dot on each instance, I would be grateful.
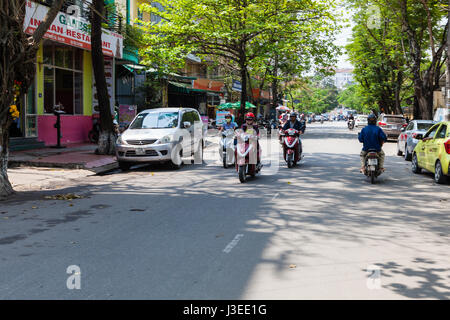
(342, 40)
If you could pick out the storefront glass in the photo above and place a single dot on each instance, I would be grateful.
(63, 84)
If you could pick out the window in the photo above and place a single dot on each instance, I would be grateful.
(410, 126)
(441, 132)
(430, 134)
(187, 116)
(394, 120)
(424, 126)
(155, 120)
(63, 78)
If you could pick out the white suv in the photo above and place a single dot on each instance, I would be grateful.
(162, 135)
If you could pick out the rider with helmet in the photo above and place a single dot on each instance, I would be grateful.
(229, 124)
(372, 138)
(294, 123)
(251, 127)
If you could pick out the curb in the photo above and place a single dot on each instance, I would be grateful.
(96, 170)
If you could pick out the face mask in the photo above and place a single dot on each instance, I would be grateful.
(228, 120)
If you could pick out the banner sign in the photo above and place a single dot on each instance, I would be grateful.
(71, 30)
(126, 114)
(205, 119)
(109, 71)
(206, 84)
(237, 86)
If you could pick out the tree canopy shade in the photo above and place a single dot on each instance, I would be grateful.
(245, 32)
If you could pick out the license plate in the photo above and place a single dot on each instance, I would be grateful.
(373, 162)
(140, 151)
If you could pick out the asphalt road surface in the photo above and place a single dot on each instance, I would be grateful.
(317, 231)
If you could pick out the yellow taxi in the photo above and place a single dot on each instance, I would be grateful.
(432, 153)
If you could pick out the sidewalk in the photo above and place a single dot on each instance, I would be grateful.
(74, 156)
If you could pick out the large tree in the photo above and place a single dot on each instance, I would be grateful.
(419, 29)
(239, 30)
(377, 55)
(106, 141)
(17, 69)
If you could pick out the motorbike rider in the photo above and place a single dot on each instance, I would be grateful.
(229, 124)
(251, 127)
(302, 123)
(372, 138)
(350, 118)
(294, 123)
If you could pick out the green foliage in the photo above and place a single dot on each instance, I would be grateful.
(317, 95)
(352, 98)
(244, 34)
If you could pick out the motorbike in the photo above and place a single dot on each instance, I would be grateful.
(351, 124)
(372, 167)
(94, 133)
(291, 145)
(246, 155)
(226, 147)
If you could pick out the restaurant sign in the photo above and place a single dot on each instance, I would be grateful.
(71, 30)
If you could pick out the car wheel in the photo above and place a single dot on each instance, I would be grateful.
(124, 166)
(439, 176)
(407, 153)
(176, 159)
(399, 152)
(198, 156)
(415, 164)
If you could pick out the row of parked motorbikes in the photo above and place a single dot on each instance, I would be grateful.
(241, 149)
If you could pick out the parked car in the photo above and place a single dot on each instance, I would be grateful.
(407, 141)
(317, 117)
(432, 152)
(391, 125)
(155, 134)
(361, 120)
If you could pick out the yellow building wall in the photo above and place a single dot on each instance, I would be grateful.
(134, 5)
(40, 80)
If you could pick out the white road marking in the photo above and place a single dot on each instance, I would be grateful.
(276, 195)
(233, 243)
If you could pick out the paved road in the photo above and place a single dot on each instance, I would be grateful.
(311, 232)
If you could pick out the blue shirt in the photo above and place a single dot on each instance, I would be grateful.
(372, 136)
(230, 125)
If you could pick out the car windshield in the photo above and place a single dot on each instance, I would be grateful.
(394, 120)
(155, 120)
(424, 126)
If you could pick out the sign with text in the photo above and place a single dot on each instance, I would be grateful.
(71, 30)
(237, 86)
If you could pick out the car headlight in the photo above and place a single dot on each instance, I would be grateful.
(164, 140)
(120, 140)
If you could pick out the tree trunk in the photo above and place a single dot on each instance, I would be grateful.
(5, 186)
(106, 141)
(17, 63)
(243, 93)
(275, 83)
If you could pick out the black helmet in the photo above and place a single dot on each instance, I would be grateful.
(372, 118)
(293, 114)
(228, 115)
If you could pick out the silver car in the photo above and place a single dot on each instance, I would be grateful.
(407, 141)
(161, 135)
(361, 121)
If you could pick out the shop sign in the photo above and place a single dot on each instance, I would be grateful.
(209, 85)
(71, 30)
